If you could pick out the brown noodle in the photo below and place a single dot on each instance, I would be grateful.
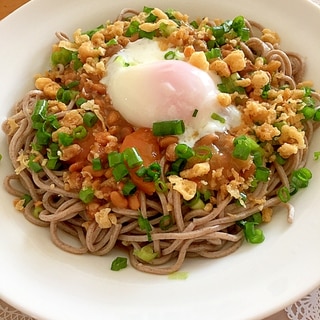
(195, 233)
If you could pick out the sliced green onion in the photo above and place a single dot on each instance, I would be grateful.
(217, 117)
(145, 225)
(166, 222)
(203, 153)
(66, 95)
(86, 195)
(146, 253)
(76, 62)
(141, 172)
(213, 53)
(257, 217)
(316, 155)
(96, 164)
(120, 171)
(284, 194)
(72, 84)
(194, 24)
(129, 188)
(253, 234)
(184, 151)
(33, 165)
(154, 171)
(39, 113)
(178, 275)
(112, 42)
(53, 121)
(300, 178)
(265, 91)
(43, 137)
(133, 28)
(258, 157)
(119, 263)
(316, 116)
(79, 132)
(161, 186)
(53, 164)
(132, 157)
(65, 139)
(171, 127)
(90, 33)
(243, 146)
(166, 29)
(145, 34)
(170, 55)
(241, 151)
(36, 211)
(61, 56)
(206, 195)
(80, 101)
(262, 174)
(26, 199)
(115, 158)
(308, 112)
(177, 166)
(280, 160)
(196, 202)
(90, 119)
(228, 85)
(242, 200)
(147, 9)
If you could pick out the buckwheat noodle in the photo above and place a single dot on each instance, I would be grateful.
(195, 233)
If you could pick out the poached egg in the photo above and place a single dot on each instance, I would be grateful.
(146, 88)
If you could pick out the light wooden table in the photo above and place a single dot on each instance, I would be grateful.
(8, 6)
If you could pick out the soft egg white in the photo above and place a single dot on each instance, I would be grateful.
(145, 88)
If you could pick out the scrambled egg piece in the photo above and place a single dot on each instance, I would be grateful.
(186, 188)
(105, 219)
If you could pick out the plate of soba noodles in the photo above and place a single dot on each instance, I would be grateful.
(159, 159)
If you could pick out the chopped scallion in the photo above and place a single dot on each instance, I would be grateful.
(284, 194)
(96, 164)
(171, 127)
(129, 188)
(119, 263)
(120, 171)
(79, 132)
(65, 139)
(166, 222)
(90, 119)
(262, 174)
(132, 157)
(146, 253)
(217, 117)
(184, 151)
(145, 225)
(86, 195)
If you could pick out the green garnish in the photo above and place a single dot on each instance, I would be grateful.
(132, 157)
(184, 151)
(86, 195)
(145, 225)
(129, 188)
(96, 164)
(90, 119)
(119, 263)
(170, 127)
(146, 253)
(217, 117)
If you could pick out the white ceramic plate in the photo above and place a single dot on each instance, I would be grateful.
(255, 282)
